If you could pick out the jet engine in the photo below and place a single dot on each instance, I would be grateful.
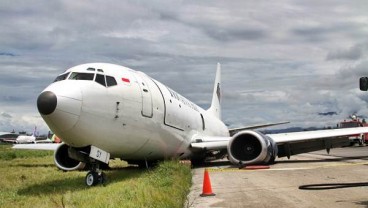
(251, 147)
(64, 162)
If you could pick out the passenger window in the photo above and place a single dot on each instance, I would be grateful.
(81, 76)
(110, 81)
(100, 79)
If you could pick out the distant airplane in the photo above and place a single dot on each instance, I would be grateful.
(8, 136)
(103, 111)
(26, 139)
(20, 139)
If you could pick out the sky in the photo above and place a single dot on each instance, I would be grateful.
(297, 61)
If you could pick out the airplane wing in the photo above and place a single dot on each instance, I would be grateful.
(288, 143)
(301, 142)
(233, 131)
(46, 146)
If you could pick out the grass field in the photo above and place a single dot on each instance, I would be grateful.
(30, 179)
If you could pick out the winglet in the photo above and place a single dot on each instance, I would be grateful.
(215, 108)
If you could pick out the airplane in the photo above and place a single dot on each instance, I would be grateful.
(8, 136)
(105, 111)
(26, 139)
(23, 138)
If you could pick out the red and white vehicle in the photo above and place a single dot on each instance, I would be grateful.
(362, 138)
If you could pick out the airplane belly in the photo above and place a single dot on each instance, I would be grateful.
(118, 139)
(161, 144)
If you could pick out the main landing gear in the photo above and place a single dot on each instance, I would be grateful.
(95, 175)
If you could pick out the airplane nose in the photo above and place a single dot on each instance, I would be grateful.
(46, 103)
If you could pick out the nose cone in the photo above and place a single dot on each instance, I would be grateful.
(46, 103)
(60, 107)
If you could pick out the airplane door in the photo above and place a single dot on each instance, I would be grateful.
(146, 96)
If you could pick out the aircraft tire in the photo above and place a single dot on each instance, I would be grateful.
(92, 178)
(102, 178)
(272, 160)
(197, 162)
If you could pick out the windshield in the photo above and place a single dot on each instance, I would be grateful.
(61, 77)
(106, 81)
(81, 76)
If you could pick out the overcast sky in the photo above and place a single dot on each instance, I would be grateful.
(281, 60)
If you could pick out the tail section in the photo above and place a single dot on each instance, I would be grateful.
(35, 132)
(215, 108)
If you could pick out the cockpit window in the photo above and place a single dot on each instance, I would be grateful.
(106, 81)
(61, 77)
(100, 79)
(81, 76)
(111, 81)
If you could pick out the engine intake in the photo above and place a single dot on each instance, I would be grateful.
(64, 162)
(251, 147)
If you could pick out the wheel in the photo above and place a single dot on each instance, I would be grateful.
(198, 162)
(272, 160)
(92, 178)
(102, 178)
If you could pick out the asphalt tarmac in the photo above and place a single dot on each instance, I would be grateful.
(317, 179)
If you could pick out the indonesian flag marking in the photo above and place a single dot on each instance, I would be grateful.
(125, 80)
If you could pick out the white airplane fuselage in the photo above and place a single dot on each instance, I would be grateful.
(136, 118)
(25, 139)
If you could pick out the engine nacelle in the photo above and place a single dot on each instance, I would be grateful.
(64, 162)
(251, 147)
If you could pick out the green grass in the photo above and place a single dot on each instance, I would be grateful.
(7, 153)
(30, 179)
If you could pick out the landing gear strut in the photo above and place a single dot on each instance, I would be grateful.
(95, 176)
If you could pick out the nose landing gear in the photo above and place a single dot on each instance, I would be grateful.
(96, 159)
(95, 176)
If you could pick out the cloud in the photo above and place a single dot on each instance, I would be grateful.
(281, 60)
(7, 54)
(5, 115)
(353, 53)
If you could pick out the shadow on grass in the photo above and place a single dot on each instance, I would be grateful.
(34, 165)
(63, 185)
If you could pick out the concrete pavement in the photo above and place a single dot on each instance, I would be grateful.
(279, 185)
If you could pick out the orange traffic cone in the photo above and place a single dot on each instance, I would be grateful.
(207, 189)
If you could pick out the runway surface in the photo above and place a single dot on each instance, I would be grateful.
(344, 173)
